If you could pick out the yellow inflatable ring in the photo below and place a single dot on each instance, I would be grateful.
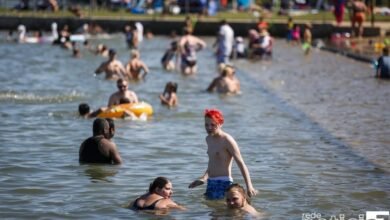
(118, 111)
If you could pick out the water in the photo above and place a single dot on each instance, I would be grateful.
(297, 166)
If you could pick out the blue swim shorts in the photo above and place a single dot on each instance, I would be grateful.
(216, 187)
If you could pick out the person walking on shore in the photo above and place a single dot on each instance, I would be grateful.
(359, 10)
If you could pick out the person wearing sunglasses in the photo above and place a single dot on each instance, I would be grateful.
(122, 93)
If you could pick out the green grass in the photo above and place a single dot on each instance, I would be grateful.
(231, 16)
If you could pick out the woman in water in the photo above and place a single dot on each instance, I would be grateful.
(157, 198)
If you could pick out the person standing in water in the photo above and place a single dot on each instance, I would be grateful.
(136, 69)
(98, 148)
(221, 149)
(113, 68)
(225, 41)
(169, 97)
(188, 45)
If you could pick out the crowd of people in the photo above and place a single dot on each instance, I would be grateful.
(222, 147)
(181, 56)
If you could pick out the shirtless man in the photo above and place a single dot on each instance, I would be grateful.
(98, 148)
(221, 149)
(188, 45)
(122, 93)
(135, 67)
(227, 83)
(113, 68)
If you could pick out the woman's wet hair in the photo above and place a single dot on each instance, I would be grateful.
(174, 86)
(159, 182)
(240, 189)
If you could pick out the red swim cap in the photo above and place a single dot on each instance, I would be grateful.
(215, 115)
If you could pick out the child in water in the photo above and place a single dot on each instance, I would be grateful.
(168, 59)
(169, 97)
(236, 199)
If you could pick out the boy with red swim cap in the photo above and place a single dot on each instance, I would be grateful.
(221, 148)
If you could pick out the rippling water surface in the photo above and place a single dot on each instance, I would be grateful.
(297, 166)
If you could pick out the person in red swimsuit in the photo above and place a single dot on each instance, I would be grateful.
(358, 17)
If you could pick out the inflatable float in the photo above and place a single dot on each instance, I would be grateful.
(119, 111)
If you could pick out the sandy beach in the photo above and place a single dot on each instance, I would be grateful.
(352, 106)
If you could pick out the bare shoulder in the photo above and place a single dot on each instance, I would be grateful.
(130, 93)
(228, 137)
(107, 143)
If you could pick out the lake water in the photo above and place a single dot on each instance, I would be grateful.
(298, 167)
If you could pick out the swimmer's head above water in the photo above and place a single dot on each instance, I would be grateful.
(84, 109)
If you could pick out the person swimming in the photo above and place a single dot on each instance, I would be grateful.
(158, 197)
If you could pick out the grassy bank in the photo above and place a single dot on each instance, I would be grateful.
(323, 16)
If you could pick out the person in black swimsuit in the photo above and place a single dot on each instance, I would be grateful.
(98, 148)
(158, 197)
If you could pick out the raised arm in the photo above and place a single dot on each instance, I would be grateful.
(235, 152)
(201, 43)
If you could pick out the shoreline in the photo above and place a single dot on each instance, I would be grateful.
(163, 26)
